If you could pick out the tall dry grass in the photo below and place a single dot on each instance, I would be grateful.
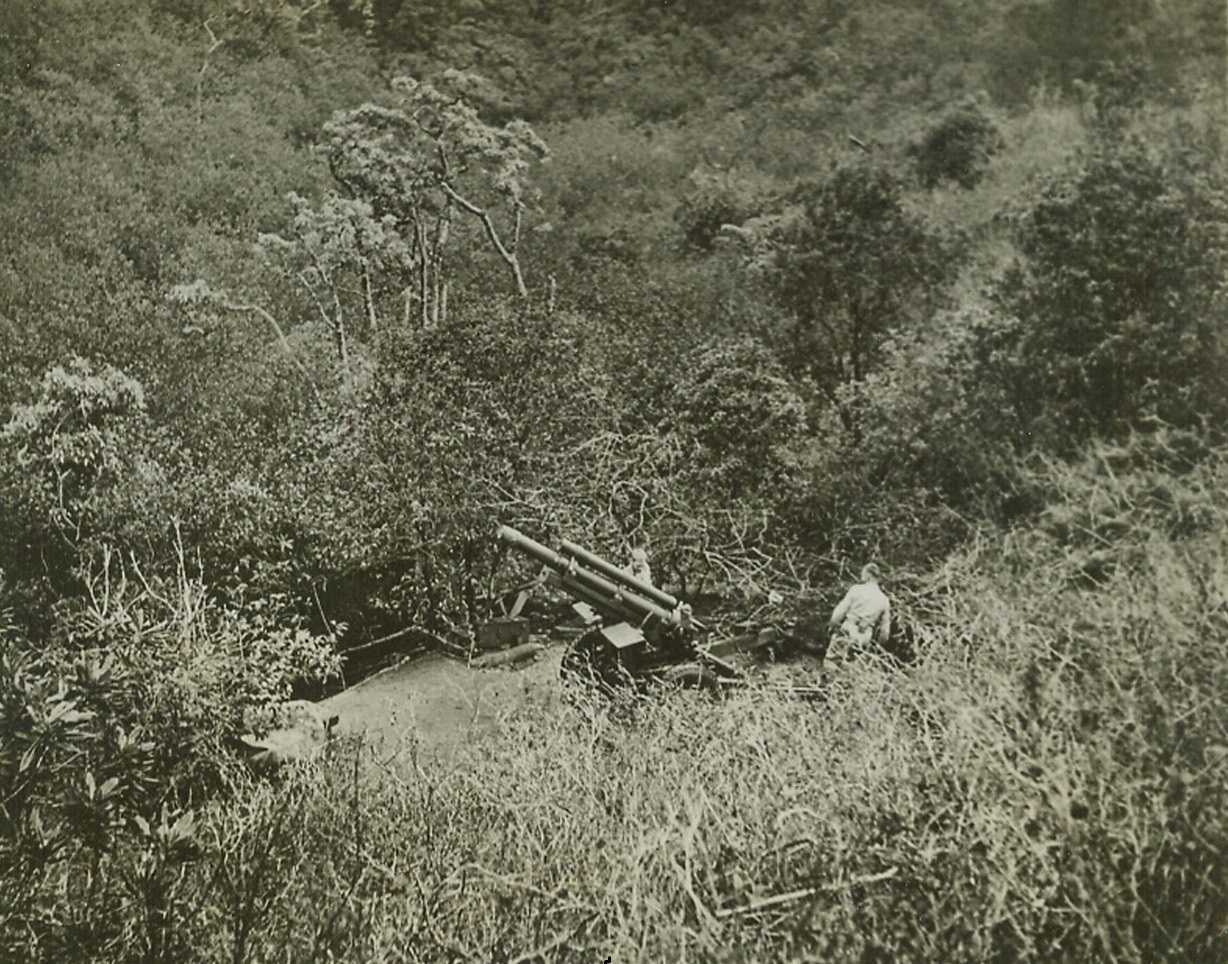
(1045, 783)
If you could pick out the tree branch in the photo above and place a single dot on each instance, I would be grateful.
(214, 43)
(281, 336)
(509, 256)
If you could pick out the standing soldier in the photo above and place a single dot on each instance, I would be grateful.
(864, 614)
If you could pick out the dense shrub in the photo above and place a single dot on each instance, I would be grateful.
(73, 442)
(958, 148)
(1063, 44)
(117, 729)
(77, 472)
(465, 424)
(85, 475)
(1119, 305)
(850, 263)
(737, 402)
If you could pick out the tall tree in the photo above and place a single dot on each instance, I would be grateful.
(849, 264)
(341, 256)
(429, 160)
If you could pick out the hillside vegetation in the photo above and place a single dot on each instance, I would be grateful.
(299, 300)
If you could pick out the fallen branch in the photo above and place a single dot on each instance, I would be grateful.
(400, 633)
(776, 900)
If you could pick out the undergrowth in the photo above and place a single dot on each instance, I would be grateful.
(1045, 782)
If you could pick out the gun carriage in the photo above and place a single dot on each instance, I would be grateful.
(634, 631)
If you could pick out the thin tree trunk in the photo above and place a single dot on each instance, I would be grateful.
(281, 337)
(507, 254)
(366, 285)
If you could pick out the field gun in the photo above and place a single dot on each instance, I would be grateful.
(635, 631)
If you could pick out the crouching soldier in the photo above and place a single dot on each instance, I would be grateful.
(863, 616)
(638, 566)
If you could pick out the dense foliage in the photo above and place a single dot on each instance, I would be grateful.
(1120, 303)
(300, 299)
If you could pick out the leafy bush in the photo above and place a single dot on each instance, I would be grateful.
(73, 442)
(736, 401)
(849, 263)
(78, 471)
(958, 148)
(466, 423)
(1119, 305)
(115, 733)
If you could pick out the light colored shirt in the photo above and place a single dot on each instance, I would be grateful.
(867, 607)
(638, 567)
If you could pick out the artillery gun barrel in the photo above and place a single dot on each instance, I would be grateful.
(611, 610)
(611, 571)
(596, 589)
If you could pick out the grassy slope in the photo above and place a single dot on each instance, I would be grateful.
(1047, 783)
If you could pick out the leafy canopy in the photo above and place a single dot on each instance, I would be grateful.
(848, 263)
(1120, 304)
(430, 157)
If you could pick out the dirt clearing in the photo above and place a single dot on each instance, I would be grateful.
(428, 707)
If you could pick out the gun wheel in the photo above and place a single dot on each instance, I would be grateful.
(591, 662)
(692, 676)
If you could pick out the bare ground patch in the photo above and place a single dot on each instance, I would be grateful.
(429, 707)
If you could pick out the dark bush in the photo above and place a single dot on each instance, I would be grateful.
(850, 262)
(958, 148)
(1119, 307)
(736, 400)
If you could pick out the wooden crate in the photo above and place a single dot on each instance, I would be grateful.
(503, 633)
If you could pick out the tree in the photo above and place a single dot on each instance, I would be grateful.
(849, 264)
(199, 294)
(1119, 305)
(73, 443)
(80, 475)
(341, 256)
(958, 148)
(429, 159)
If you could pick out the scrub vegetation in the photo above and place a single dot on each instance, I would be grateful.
(299, 300)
